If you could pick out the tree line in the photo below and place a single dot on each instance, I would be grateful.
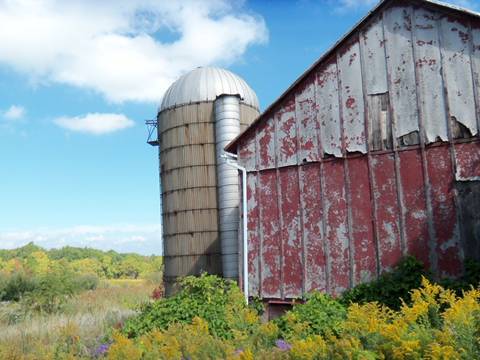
(35, 260)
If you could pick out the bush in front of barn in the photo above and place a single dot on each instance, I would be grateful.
(208, 318)
(435, 323)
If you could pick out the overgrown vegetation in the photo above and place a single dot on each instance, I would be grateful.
(402, 315)
(32, 259)
(432, 323)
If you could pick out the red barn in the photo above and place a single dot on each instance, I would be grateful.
(373, 153)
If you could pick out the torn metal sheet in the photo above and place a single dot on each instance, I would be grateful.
(373, 55)
(353, 112)
(247, 153)
(266, 145)
(306, 116)
(428, 63)
(286, 135)
(455, 40)
(398, 36)
(328, 110)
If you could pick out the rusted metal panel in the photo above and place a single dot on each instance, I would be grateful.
(328, 110)
(455, 40)
(373, 55)
(467, 159)
(306, 115)
(414, 206)
(247, 153)
(335, 213)
(475, 58)
(253, 235)
(387, 210)
(313, 235)
(266, 144)
(441, 176)
(270, 235)
(353, 112)
(291, 232)
(398, 36)
(286, 134)
(362, 237)
(430, 82)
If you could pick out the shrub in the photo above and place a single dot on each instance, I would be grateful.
(391, 287)
(51, 292)
(85, 282)
(219, 302)
(16, 286)
(319, 315)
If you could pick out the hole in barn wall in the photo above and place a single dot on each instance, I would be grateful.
(410, 139)
(379, 122)
(459, 130)
(469, 202)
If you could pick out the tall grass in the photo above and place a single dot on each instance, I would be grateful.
(85, 319)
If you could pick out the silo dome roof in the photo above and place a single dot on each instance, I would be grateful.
(206, 84)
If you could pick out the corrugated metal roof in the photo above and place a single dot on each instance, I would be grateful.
(438, 4)
(206, 84)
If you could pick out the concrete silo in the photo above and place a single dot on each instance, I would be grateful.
(200, 114)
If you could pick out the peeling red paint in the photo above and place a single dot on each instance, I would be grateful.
(290, 232)
(350, 103)
(414, 205)
(337, 228)
(387, 212)
(441, 176)
(315, 257)
(271, 244)
(364, 254)
(467, 158)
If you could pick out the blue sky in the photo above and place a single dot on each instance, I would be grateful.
(78, 79)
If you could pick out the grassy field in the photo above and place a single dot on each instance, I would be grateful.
(81, 326)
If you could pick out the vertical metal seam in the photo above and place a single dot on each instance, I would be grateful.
(326, 248)
(326, 245)
(474, 82)
(301, 204)
(260, 216)
(279, 210)
(426, 177)
(345, 174)
(369, 155)
(451, 146)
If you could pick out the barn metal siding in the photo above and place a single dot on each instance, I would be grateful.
(369, 158)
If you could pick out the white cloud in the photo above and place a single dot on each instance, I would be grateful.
(14, 112)
(96, 124)
(143, 239)
(125, 50)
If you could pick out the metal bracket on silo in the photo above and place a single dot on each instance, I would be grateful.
(152, 138)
